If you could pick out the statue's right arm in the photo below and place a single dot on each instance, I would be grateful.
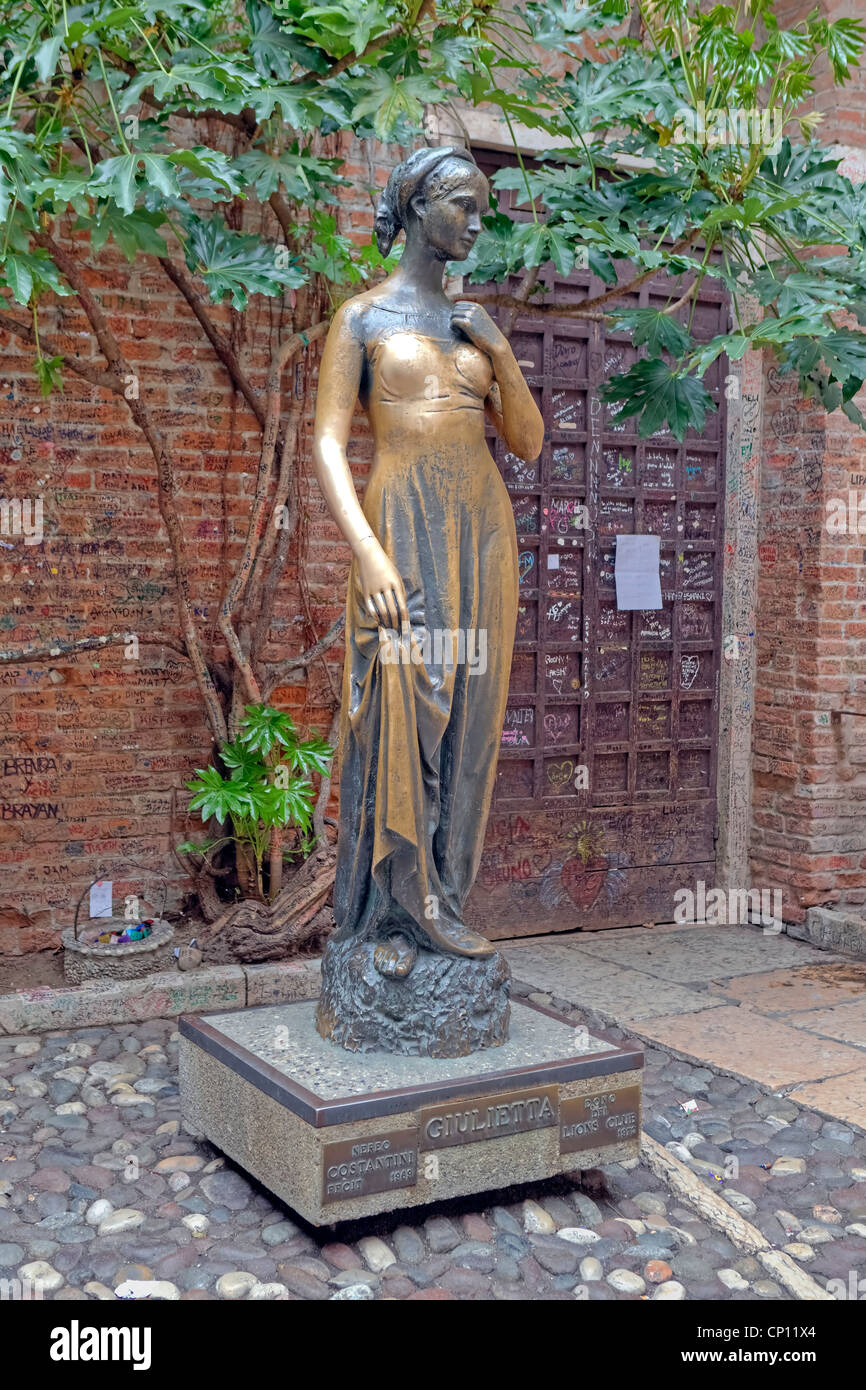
(339, 379)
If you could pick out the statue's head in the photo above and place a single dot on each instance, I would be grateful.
(438, 195)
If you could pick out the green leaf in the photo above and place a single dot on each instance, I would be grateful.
(231, 263)
(117, 178)
(26, 272)
(844, 352)
(313, 755)
(601, 265)
(389, 98)
(660, 396)
(48, 374)
(46, 55)
(290, 100)
(208, 164)
(134, 232)
(659, 331)
(854, 415)
(214, 796)
(19, 278)
(275, 49)
(562, 252)
(732, 344)
(159, 173)
(531, 241)
(304, 177)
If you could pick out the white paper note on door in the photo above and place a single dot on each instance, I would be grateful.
(638, 584)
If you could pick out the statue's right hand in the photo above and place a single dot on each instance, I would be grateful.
(381, 587)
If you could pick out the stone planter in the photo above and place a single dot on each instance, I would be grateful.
(129, 961)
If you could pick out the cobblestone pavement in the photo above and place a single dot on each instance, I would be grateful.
(99, 1185)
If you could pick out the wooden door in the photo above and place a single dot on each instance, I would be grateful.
(606, 790)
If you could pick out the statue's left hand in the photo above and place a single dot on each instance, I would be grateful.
(475, 322)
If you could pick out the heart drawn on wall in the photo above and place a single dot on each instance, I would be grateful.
(556, 726)
(525, 561)
(688, 671)
(560, 773)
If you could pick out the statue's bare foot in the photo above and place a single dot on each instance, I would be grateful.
(395, 957)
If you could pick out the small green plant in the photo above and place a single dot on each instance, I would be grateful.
(267, 789)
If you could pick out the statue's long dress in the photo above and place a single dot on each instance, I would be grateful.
(419, 739)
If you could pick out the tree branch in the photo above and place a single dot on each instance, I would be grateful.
(684, 299)
(88, 370)
(35, 651)
(350, 59)
(261, 594)
(530, 280)
(285, 354)
(294, 665)
(110, 348)
(324, 795)
(220, 344)
(560, 311)
(585, 309)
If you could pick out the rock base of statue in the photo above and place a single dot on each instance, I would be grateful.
(447, 1006)
(339, 1135)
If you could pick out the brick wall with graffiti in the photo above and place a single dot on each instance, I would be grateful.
(808, 833)
(95, 748)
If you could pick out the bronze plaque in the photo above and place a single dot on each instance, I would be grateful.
(488, 1117)
(588, 1122)
(374, 1163)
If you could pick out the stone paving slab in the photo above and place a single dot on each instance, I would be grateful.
(816, 986)
(747, 1043)
(844, 1022)
(699, 954)
(843, 1097)
(608, 989)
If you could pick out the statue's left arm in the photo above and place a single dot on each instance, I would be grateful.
(510, 404)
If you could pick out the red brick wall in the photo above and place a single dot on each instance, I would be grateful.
(92, 747)
(809, 817)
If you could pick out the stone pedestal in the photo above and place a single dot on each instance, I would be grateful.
(448, 1006)
(338, 1135)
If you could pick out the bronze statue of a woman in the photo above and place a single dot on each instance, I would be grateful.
(430, 620)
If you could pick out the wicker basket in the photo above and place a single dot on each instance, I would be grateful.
(127, 960)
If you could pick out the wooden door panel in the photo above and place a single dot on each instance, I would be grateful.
(605, 800)
(533, 879)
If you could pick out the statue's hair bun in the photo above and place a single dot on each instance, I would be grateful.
(387, 223)
(405, 181)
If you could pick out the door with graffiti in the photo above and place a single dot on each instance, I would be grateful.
(605, 801)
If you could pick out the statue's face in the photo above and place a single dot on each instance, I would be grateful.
(451, 208)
